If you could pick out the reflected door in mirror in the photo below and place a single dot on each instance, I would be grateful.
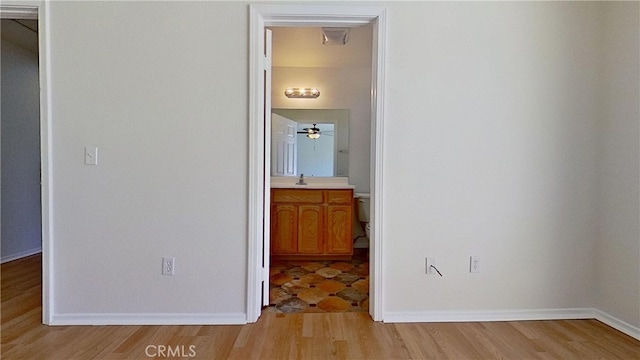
(283, 146)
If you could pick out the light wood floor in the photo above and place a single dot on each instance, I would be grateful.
(299, 336)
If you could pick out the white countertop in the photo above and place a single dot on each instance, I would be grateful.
(312, 186)
(312, 182)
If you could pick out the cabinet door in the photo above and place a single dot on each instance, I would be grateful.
(310, 234)
(339, 229)
(284, 229)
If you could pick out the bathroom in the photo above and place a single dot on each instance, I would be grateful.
(342, 74)
(342, 113)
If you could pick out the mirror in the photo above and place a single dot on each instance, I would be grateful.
(293, 153)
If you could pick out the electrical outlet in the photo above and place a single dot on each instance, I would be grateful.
(428, 262)
(90, 155)
(474, 264)
(168, 266)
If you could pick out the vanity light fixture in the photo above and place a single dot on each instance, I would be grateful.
(302, 93)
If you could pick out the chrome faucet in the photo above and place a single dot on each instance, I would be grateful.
(301, 181)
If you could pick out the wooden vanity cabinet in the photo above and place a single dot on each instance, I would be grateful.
(311, 223)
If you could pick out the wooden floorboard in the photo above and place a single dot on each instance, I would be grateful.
(295, 336)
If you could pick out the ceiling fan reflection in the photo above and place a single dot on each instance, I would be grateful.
(313, 132)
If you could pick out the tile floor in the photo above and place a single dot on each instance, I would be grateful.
(306, 286)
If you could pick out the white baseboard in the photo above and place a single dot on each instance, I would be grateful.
(488, 315)
(512, 315)
(617, 324)
(20, 255)
(149, 319)
(389, 317)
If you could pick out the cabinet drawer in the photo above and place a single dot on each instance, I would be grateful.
(297, 196)
(339, 196)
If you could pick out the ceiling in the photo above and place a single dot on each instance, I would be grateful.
(302, 47)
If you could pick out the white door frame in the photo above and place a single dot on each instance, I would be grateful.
(259, 177)
(39, 11)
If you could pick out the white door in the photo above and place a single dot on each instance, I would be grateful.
(283, 146)
(266, 246)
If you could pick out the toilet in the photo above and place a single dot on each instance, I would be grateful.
(364, 210)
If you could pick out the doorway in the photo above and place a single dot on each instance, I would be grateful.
(21, 223)
(262, 16)
(36, 12)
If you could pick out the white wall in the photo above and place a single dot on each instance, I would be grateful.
(492, 125)
(617, 285)
(490, 140)
(21, 224)
(161, 89)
